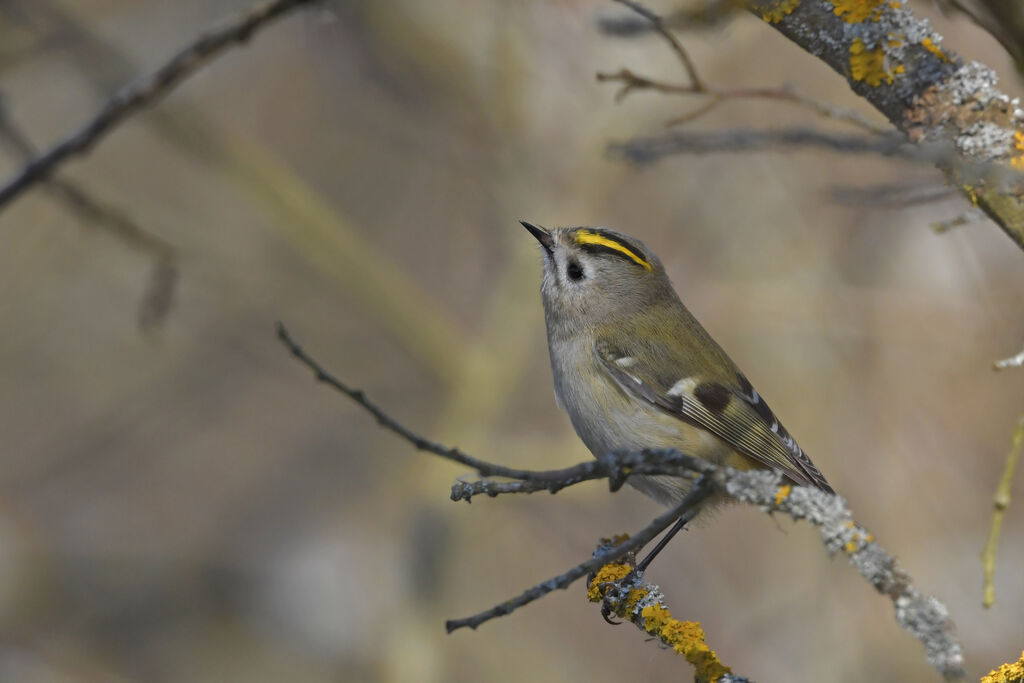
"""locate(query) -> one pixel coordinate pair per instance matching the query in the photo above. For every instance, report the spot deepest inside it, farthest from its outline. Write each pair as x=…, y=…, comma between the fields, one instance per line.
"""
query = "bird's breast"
x=608, y=419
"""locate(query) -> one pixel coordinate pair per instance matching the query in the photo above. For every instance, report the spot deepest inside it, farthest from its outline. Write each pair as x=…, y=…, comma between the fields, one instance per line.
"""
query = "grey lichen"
x=985, y=140
x=924, y=617
x=972, y=82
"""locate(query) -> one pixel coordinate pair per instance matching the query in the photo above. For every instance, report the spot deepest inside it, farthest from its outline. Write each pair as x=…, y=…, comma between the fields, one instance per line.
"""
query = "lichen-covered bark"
x=897, y=62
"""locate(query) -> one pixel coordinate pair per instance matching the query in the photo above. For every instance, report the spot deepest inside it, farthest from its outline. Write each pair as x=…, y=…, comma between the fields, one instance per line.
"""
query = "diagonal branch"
x=148, y=90
x=691, y=501
x=696, y=84
x=615, y=469
x=896, y=62
x=650, y=149
x=158, y=294
x=717, y=95
x=924, y=617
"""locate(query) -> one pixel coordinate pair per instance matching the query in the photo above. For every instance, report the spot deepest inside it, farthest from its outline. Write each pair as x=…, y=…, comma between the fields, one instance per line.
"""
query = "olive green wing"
x=736, y=414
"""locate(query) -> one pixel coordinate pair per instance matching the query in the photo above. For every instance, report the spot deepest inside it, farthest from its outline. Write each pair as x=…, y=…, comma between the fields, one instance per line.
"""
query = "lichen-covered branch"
x=1000, y=502
x=147, y=90
x=612, y=554
x=1007, y=673
x=897, y=62
x=622, y=592
x=924, y=617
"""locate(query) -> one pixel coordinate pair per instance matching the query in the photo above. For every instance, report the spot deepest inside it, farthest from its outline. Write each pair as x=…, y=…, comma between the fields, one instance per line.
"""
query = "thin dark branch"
x=616, y=469
x=1002, y=19
x=677, y=47
x=147, y=91
x=387, y=422
x=158, y=294
x=631, y=82
x=701, y=16
x=80, y=201
x=890, y=195
x=645, y=150
x=701, y=490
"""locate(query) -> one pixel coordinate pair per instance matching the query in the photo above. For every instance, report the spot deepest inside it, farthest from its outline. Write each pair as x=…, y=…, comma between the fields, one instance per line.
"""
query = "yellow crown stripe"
x=591, y=237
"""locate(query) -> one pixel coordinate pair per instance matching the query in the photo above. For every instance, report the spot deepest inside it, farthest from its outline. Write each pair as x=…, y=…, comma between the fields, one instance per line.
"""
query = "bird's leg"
x=680, y=523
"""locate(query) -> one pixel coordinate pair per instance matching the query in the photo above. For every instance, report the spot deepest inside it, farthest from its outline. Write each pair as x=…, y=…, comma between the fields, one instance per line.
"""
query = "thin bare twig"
x=971, y=215
x=80, y=201
x=148, y=90
x=670, y=38
x=702, y=15
x=1000, y=502
x=645, y=150
x=631, y=82
x=1002, y=19
x=615, y=469
x=158, y=293
x=700, y=491
x=890, y=195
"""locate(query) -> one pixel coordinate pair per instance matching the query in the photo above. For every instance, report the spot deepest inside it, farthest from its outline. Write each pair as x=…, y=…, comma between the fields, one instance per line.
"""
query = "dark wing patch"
x=740, y=418
x=713, y=395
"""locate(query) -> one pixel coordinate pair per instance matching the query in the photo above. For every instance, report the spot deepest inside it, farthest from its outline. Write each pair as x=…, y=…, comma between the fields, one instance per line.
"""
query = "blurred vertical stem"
x=1001, y=502
x=497, y=355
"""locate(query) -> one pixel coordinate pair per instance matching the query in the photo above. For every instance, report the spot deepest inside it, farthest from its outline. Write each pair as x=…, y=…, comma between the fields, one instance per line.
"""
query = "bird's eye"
x=574, y=271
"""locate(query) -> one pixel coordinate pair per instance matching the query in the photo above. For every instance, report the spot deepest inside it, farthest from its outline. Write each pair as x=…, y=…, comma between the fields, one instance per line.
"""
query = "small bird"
x=634, y=369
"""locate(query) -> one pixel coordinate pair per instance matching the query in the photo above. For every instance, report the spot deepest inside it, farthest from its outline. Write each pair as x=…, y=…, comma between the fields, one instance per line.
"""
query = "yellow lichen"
x=1007, y=673
x=609, y=573
x=635, y=596
x=777, y=11
x=851, y=547
x=869, y=65
x=934, y=49
x=855, y=11
x=782, y=494
x=1018, y=161
x=687, y=639
x=971, y=194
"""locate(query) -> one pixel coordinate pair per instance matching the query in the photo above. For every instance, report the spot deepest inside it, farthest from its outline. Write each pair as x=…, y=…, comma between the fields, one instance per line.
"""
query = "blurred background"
x=179, y=501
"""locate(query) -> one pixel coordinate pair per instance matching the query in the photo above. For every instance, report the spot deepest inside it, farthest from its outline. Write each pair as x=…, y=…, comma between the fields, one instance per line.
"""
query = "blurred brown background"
x=185, y=504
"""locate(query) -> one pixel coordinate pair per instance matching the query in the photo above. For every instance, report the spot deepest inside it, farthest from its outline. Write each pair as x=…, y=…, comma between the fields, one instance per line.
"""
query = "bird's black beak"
x=542, y=235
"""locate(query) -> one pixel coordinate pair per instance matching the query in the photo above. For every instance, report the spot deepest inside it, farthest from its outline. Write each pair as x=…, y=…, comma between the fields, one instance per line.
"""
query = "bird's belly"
x=610, y=421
